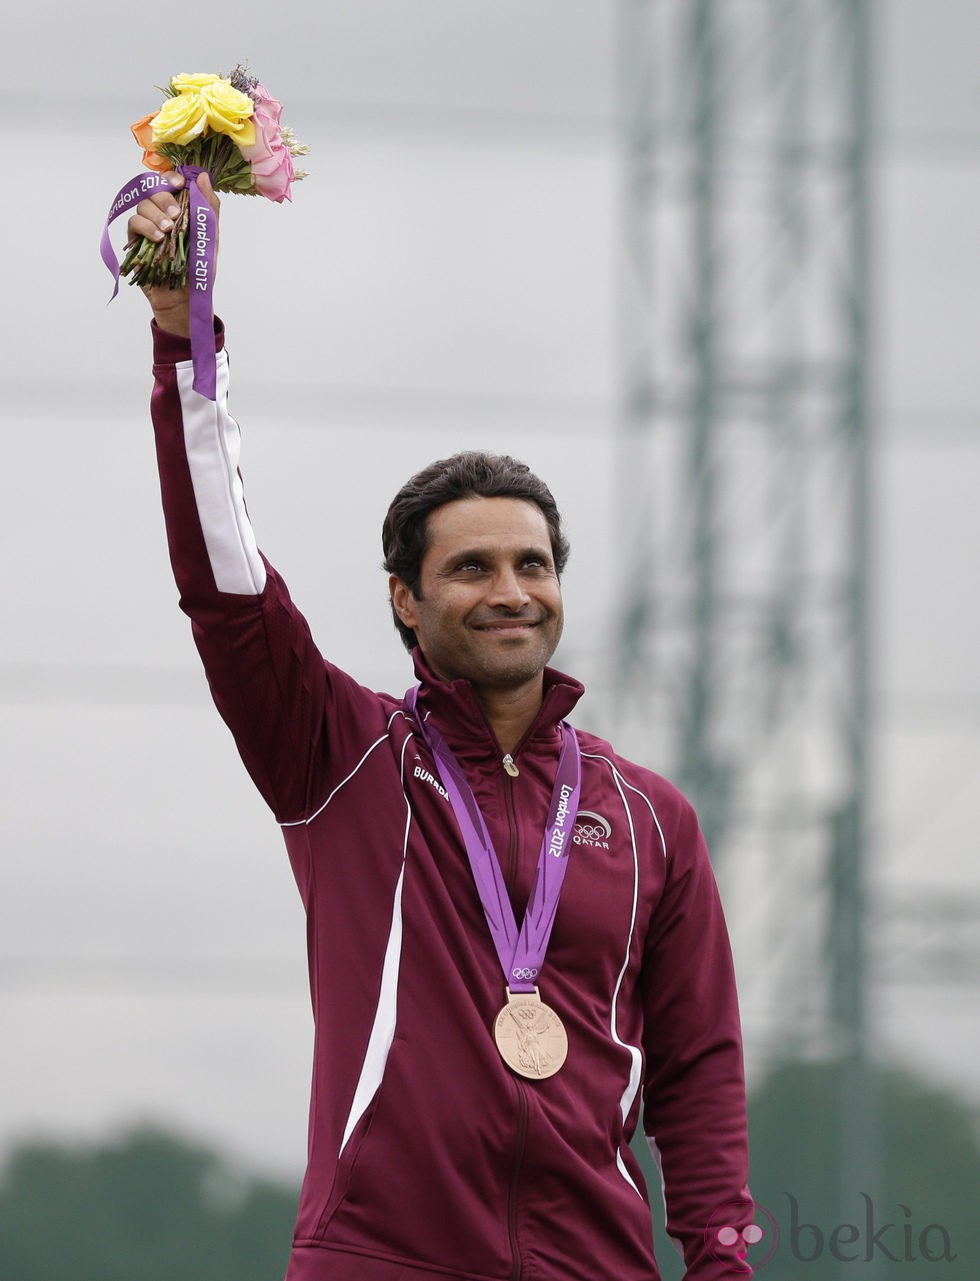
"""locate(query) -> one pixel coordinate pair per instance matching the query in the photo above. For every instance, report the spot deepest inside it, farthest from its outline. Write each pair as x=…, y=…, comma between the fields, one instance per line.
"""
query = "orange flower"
x=143, y=133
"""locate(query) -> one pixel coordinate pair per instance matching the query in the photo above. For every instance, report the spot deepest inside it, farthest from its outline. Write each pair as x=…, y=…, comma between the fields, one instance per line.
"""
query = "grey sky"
x=457, y=287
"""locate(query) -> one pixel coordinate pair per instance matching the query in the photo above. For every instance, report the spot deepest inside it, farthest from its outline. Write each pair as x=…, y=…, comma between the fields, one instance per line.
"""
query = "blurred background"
x=710, y=267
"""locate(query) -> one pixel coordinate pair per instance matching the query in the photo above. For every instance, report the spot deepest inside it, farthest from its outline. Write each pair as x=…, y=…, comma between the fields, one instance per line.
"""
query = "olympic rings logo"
x=591, y=831
x=524, y=972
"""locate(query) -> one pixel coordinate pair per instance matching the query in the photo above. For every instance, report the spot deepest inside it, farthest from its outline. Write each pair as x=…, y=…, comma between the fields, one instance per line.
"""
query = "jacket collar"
x=460, y=718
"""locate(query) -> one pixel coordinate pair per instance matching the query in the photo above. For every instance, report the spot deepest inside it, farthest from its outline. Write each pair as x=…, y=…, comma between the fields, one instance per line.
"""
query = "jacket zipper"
x=512, y=772
x=513, y=847
x=515, y=1181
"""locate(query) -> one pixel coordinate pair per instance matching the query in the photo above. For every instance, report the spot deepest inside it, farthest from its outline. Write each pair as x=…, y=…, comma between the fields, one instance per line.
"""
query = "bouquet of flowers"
x=231, y=127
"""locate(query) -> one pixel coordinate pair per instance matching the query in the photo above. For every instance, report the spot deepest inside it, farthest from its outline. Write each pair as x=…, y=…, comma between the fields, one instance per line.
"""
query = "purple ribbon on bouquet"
x=201, y=231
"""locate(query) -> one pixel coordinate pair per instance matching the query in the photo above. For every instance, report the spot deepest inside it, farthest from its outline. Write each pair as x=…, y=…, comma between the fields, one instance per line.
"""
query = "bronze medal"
x=530, y=1036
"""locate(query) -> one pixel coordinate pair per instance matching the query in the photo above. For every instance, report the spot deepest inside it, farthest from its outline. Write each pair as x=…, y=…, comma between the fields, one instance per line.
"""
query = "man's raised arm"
x=267, y=677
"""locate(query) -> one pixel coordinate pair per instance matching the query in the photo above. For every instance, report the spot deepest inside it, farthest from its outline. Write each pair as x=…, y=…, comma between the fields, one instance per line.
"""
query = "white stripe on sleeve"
x=212, y=441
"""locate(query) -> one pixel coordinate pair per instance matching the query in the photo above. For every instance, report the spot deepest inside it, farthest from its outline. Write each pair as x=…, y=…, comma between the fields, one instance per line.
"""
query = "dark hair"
x=471, y=474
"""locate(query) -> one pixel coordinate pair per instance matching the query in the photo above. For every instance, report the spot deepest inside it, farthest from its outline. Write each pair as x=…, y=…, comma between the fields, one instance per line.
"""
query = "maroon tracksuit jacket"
x=428, y=1158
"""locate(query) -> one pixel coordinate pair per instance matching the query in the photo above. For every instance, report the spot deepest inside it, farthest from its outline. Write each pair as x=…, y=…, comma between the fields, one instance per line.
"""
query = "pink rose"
x=269, y=158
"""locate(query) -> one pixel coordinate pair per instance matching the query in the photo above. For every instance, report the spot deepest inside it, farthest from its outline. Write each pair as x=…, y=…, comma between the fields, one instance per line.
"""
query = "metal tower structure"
x=742, y=650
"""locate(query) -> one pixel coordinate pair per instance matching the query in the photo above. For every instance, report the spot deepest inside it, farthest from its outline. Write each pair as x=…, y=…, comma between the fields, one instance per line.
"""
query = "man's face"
x=490, y=604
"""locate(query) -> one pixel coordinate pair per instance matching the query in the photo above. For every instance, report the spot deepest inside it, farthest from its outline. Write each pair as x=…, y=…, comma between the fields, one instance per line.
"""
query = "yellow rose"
x=192, y=84
x=228, y=111
x=179, y=120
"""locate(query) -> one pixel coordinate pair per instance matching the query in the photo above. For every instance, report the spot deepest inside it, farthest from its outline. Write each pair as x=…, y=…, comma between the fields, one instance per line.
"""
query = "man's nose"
x=508, y=590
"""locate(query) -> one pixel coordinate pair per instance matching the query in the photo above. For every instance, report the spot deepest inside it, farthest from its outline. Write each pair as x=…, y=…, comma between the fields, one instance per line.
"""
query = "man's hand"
x=153, y=218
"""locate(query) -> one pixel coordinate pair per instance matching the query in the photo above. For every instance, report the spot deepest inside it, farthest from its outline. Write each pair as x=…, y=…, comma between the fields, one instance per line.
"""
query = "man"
x=514, y=934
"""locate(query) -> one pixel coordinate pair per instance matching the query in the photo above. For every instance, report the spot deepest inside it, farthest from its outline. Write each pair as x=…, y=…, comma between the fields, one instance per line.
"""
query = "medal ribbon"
x=521, y=952
x=201, y=231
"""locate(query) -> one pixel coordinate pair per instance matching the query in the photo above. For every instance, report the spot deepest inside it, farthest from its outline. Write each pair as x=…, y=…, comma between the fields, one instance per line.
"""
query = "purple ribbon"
x=201, y=231
x=521, y=952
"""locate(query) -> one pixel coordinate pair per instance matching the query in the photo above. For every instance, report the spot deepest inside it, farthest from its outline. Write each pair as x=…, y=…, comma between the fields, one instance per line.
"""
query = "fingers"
x=154, y=216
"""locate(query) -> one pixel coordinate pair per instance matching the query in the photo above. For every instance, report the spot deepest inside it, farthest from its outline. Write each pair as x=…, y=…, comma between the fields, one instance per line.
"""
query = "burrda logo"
x=592, y=829
x=421, y=772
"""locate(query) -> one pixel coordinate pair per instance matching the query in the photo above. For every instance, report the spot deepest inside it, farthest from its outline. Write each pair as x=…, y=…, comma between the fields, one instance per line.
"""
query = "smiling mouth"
x=505, y=626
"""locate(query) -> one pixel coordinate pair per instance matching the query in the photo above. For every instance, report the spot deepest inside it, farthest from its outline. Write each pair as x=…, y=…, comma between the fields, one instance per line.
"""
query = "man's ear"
x=403, y=602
